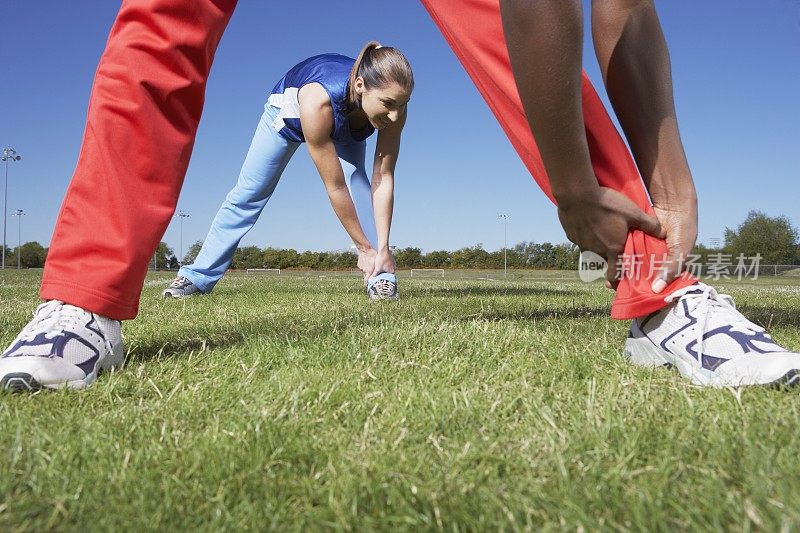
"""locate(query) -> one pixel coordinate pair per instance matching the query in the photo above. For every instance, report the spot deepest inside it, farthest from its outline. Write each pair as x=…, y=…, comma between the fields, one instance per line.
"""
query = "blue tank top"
x=332, y=71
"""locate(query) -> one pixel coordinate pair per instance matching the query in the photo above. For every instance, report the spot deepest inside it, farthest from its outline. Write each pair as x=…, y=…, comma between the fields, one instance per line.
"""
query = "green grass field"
x=290, y=402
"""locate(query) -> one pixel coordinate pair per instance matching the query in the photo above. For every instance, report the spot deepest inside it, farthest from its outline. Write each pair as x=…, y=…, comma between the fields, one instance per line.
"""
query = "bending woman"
x=333, y=103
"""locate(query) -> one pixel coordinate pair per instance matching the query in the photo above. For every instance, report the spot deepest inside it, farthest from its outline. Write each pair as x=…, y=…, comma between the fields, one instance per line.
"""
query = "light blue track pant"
x=267, y=158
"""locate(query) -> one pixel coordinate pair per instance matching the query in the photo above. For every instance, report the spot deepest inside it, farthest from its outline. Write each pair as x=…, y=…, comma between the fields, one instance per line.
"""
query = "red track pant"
x=143, y=115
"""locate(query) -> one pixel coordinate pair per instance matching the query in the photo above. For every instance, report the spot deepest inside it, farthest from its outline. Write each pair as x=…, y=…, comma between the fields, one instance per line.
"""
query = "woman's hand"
x=366, y=262
x=384, y=262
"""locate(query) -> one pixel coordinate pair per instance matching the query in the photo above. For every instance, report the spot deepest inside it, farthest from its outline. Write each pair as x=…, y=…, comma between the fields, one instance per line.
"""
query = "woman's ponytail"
x=379, y=66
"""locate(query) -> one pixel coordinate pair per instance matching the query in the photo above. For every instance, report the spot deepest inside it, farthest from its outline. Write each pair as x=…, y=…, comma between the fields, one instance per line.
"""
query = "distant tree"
x=516, y=257
x=173, y=263
x=566, y=256
x=33, y=255
x=526, y=253
x=408, y=257
x=337, y=260
x=248, y=257
x=437, y=259
x=326, y=261
x=495, y=259
x=541, y=255
x=775, y=238
x=343, y=260
x=290, y=258
x=163, y=255
x=280, y=258
x=310, y=260
x=471, y=257
x=701, y=253
x=191, y=255
x=271, y=258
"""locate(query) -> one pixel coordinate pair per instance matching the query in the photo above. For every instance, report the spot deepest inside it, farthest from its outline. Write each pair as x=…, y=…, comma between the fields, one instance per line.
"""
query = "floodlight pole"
x=181, y=214
x=19, y=213
x=9, y=154
x=505, y=244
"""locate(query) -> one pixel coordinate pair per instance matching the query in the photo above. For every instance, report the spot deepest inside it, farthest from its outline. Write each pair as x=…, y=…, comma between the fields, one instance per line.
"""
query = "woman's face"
x=382, y=105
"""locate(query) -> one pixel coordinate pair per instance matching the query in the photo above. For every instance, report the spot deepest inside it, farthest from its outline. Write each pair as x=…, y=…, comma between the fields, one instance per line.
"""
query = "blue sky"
x=737, y=81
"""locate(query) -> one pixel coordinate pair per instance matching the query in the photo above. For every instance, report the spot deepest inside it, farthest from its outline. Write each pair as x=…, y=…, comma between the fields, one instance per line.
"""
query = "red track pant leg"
x=143, y=114
x=474, y=30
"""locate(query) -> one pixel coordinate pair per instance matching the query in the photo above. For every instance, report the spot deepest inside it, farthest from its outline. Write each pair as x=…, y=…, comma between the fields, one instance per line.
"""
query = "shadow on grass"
x=770, y=317
x=192, y=339
x=289, y=331
x=549, y=313
x=460, y=292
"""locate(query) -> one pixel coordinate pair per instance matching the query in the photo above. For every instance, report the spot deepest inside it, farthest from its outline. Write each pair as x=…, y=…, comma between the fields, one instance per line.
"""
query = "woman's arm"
x=316, y=119
x=386, y=152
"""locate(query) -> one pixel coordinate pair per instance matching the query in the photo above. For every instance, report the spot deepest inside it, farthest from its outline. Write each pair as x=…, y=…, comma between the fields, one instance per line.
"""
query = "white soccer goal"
x=427, y=271
x=779, y=270
x=263, y=270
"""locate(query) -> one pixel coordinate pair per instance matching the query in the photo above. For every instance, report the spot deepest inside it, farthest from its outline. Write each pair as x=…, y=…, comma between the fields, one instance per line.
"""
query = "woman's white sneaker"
x=708, y=340
x=180, y=288
x=62, y=346
x=383, y=287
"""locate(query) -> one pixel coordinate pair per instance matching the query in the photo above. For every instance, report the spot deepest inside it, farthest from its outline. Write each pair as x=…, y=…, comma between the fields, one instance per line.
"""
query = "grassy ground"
x=292, y=403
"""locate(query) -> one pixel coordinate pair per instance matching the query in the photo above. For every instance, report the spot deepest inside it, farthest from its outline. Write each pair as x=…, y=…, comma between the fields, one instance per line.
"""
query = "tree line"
x=775, y=239
x=523, y=255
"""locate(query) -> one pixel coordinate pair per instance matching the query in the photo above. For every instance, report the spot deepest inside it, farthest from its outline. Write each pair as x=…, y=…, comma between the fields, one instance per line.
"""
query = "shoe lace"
x=178, y=282
x=51, y=318
x=384, y=287
x=705, y=300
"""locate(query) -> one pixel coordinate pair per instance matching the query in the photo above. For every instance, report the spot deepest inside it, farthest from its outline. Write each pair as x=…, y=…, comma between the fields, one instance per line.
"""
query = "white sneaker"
x=383, y=287
x=62, y=346
x=710, y=342
x=180, y=288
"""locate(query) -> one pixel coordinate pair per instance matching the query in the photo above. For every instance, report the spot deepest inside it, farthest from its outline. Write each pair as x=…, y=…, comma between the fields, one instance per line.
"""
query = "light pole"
x=505, y=244
x=19, y=213
x=181, y=214
x=9, y=155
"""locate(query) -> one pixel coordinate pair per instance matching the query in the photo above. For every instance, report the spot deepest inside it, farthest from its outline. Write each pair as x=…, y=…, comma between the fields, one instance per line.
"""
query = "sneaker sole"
x=19, y=382
x=790, y=380
x=166, y=295
x=640, y=351
x=25, y=382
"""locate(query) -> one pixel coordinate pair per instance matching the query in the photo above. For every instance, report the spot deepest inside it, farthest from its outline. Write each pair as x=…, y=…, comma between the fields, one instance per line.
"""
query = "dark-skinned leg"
x=635, y=63
x=555, y=31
